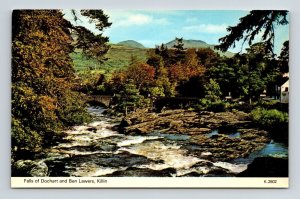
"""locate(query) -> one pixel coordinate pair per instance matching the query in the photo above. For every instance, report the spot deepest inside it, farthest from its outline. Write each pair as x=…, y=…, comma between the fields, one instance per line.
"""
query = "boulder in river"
x=266, y=167
x=143, y=172
x=29, y=168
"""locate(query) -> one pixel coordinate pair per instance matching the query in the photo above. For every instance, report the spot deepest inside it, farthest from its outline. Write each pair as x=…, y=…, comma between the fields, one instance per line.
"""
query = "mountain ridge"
x=188, y=43
x=131, y=43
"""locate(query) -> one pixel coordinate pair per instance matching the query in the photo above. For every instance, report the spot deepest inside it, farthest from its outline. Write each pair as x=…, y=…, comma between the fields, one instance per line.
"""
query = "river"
x=97, y=149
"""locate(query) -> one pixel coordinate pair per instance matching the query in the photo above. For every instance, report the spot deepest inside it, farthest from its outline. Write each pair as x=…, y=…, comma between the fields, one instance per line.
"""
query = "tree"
x=251, y=25
x=284, y=57
x=128, y=97
x=179, y=53
x=43, y=79
x=154, y=59
x=93, y=45
x=226, y=76
x=212, y=91
x=164, y=53
x=163, y=82
x=141, y=74
x=207, y=57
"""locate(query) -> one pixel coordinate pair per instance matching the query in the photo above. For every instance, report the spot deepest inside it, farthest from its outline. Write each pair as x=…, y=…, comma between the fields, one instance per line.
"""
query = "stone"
x=266, y=167
x=143, y=172
x=29, y=168
x=197, y=125
x=205, y=154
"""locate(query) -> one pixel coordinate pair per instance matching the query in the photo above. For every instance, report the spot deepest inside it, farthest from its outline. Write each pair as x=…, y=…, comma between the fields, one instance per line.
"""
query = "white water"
x=161, y=152
x=172, y=155
x=131, y=140
x=234, y=168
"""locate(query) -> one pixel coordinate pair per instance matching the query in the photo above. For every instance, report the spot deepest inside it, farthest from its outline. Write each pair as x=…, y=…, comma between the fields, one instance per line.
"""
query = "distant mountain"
x=190, y=44
x=131, y=43
x=199, y=44
x=120, y=55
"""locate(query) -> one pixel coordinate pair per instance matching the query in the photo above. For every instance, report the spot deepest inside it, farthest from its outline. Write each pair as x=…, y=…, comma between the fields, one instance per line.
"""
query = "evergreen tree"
x=284, y=57
x=179, y=54
x=251, y=25
x=128, y=98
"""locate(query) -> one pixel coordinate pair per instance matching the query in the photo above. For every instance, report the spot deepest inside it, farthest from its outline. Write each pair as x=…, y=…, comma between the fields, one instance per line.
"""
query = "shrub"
x=272, y=120
x=217, y=106
x=24, y=137
x=269, y=118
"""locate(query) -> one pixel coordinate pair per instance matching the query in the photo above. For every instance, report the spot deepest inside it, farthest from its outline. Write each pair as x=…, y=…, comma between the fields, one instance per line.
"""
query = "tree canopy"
x=251, y=25
x=43, y=76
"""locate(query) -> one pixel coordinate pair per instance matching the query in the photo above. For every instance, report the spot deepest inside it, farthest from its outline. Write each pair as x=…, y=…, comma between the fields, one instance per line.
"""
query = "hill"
x=190, y=44
x=131, y=44
x=199, y=44
x=119, y=57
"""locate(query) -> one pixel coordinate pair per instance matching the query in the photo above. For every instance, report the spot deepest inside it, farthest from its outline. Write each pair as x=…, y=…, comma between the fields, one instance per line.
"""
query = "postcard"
x=150, y=98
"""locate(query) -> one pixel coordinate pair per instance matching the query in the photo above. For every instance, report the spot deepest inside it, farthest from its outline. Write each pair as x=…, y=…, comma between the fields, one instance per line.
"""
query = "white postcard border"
x=148, y=182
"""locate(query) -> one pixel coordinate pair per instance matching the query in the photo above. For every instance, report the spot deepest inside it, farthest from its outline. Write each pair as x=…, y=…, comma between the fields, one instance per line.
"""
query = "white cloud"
x=137, y=20
x=206, y=28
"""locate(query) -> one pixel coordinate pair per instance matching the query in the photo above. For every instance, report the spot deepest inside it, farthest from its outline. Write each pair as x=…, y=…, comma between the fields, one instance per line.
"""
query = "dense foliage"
x=43, y=78
x=199, y=73
x=273, y=120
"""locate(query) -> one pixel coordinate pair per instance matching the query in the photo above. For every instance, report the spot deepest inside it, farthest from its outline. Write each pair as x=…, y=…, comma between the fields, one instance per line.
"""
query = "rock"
x=216, y=120
x=203, y=164
x=266, y=167
x=105, y=146
x=90, y=128
x=205, y=154
x=176, y=123
x=29, y=168
x=195, y=131
x=143, y=172
x=218, y=172
x=125, y=122
x=193, y=174
x=197, y=124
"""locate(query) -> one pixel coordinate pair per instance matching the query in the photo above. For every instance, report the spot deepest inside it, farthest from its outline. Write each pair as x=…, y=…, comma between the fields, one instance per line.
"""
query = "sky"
x=153, y=27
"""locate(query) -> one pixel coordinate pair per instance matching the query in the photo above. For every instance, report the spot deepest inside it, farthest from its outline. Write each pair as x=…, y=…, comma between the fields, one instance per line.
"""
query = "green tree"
x=251, y=25
x=212, y=91
x=226, y=74
x=284, y=57
x=179, y=53
x=128, y=97
x=164, y=53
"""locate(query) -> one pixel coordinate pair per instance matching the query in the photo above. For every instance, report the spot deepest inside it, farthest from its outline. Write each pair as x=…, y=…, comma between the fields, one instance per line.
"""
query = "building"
x=284, y=92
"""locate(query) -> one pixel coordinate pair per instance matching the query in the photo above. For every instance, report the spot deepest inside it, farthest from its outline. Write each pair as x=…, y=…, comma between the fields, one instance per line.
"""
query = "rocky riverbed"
x=172, y=143
x=217, y=136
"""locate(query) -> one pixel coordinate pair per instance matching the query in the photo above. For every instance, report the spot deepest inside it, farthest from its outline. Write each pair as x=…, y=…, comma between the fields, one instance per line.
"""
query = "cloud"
x=206, y=28
x=138, y=20
x=135, y=19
